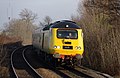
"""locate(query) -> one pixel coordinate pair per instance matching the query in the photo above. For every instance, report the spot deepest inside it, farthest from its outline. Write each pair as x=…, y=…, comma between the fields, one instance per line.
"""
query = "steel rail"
x=36, y=74
x=97, y=72
x=14, y=74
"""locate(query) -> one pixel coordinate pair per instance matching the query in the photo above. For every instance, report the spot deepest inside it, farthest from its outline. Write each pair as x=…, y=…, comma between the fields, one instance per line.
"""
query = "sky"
x=56, y=9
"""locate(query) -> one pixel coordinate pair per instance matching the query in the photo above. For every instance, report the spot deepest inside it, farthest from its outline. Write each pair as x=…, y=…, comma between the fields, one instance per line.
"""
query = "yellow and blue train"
x=60, y=42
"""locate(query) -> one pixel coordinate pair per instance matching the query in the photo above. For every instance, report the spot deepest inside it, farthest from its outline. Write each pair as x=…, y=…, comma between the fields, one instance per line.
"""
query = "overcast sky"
x=56, y=9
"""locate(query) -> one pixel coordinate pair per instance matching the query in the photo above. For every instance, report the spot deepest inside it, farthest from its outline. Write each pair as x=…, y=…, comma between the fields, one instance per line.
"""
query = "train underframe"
x=67, y=60
x=57, y=60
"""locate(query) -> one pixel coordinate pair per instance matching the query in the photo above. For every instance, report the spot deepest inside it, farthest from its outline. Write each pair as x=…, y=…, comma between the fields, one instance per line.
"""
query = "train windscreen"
x=67, y=34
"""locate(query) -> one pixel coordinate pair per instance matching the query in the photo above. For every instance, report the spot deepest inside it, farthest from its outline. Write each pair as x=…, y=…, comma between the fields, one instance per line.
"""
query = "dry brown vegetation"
x=101, y=26
x=22, y=28
x=17, y=31
x=6, y=45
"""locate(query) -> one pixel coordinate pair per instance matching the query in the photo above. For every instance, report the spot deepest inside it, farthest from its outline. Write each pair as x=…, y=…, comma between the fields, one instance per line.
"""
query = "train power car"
x=60, y=42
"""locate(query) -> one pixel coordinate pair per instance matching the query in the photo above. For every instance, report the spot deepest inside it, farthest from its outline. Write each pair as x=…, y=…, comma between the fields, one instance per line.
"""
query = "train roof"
x=62, y=24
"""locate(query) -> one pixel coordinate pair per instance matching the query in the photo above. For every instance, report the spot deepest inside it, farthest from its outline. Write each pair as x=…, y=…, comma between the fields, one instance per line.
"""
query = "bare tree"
x=101, y=24
x=46, y=21
x=28, y=15
x=22, y=28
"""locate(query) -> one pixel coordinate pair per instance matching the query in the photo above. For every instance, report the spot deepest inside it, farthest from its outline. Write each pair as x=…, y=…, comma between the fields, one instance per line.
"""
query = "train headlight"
x=77, y=47
x=56, y=47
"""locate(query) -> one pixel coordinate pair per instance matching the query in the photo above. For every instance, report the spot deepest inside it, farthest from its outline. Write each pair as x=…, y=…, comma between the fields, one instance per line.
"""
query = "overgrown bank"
x=100, y=21
x=7, y=45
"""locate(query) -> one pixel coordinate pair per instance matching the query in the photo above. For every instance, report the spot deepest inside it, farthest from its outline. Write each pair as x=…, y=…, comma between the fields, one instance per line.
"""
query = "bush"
x=101, y=36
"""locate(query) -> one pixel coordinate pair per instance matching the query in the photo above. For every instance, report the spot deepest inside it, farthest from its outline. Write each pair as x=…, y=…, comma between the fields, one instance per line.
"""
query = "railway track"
x=86, y=73
x=69, y=72
x=24, y=67
x=13, y=72
x=20, y=67
x=74, y=73
x=77, y=72
x=93, y=73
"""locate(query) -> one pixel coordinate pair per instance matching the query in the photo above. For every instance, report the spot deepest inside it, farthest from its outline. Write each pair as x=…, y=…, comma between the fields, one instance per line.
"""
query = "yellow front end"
x=70, y=47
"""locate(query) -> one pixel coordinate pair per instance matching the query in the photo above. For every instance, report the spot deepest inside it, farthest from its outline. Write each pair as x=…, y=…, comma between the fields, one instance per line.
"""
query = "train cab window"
x=67, y=34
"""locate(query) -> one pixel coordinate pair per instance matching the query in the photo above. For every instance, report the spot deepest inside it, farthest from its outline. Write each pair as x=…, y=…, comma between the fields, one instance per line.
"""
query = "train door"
x=42, y=40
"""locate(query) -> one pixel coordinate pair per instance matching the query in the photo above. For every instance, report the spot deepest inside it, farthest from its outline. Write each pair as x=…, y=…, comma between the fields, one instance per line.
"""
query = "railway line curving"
x=36, y=74
x=21, y=62
x=13, y=74
x=26, y=70
x=69, y=72
x=76, y=72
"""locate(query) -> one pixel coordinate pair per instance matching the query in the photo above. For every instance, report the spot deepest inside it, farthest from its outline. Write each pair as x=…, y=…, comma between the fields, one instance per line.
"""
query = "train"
x=60, y=42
